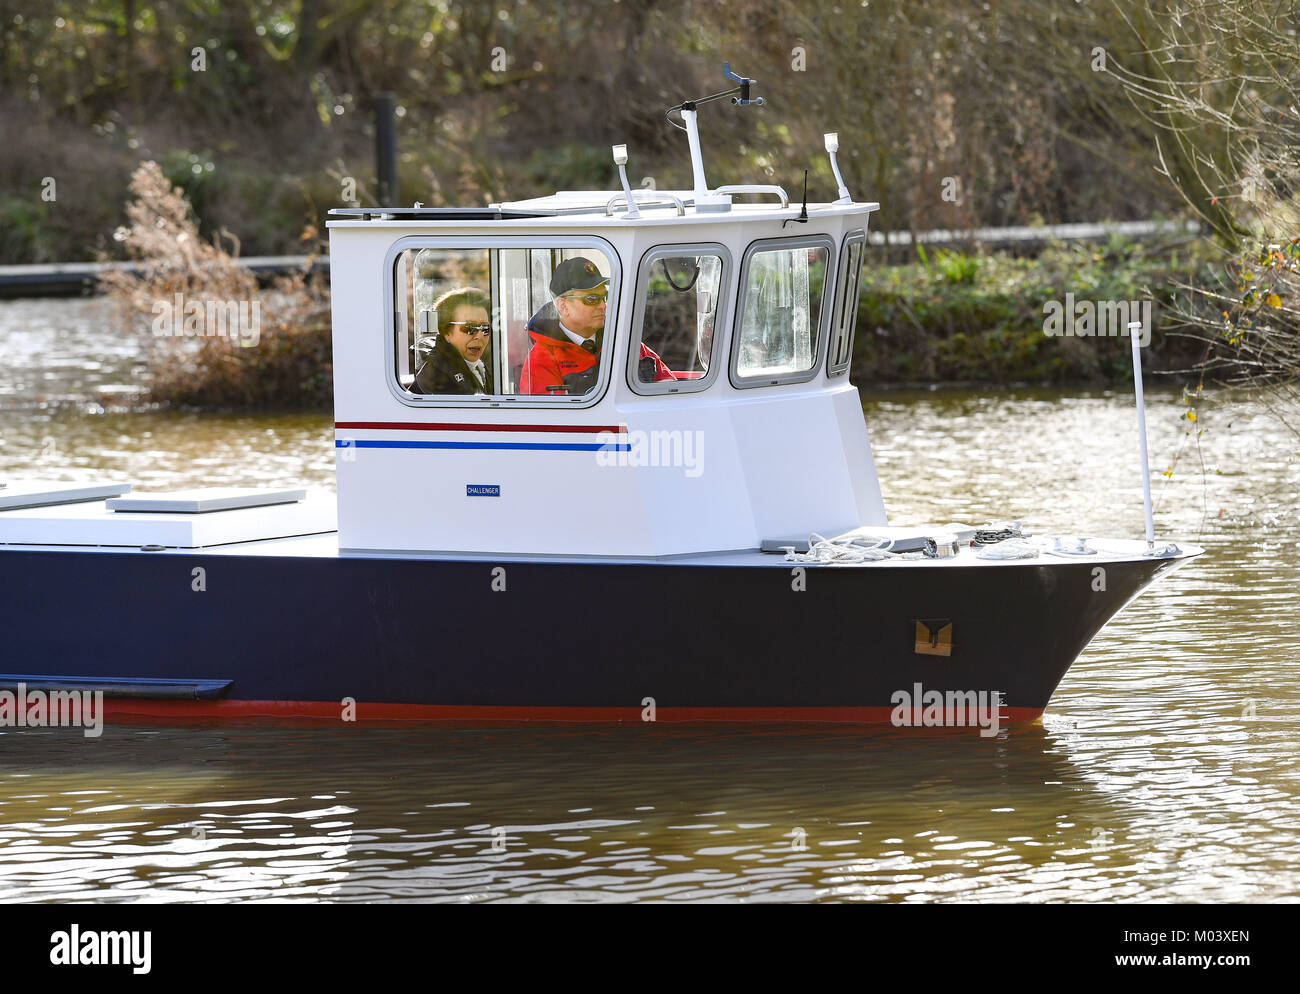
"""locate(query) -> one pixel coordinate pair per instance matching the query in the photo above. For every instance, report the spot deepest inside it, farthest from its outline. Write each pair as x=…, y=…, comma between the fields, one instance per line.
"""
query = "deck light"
x=832, y=139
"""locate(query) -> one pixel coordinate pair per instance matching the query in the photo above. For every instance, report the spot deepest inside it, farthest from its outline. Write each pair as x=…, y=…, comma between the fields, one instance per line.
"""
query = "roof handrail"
x=756, y=188
x=649, y=197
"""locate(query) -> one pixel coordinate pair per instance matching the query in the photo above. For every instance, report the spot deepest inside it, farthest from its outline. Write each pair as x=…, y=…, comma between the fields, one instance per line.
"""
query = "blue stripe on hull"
x=370, y=443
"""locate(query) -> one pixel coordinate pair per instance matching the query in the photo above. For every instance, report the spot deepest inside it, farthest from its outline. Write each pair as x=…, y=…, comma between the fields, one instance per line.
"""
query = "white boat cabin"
x=716, y=414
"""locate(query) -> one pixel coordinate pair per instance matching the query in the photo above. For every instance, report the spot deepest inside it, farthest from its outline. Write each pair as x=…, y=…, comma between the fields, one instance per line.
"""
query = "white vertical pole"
x=697, y=157
x=620, y=160
x=832, y=139
x=632, y=209
x=1134, y=329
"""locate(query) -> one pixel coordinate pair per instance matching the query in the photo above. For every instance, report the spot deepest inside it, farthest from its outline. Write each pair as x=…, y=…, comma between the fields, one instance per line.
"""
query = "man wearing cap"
x=565, y=355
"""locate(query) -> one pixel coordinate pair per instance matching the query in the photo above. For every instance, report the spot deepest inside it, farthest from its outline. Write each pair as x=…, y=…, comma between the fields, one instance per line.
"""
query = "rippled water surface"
x=1165, y=768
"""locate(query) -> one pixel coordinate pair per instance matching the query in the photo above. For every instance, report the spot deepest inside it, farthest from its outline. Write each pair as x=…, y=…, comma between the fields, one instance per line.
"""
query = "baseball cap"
x=576, y=274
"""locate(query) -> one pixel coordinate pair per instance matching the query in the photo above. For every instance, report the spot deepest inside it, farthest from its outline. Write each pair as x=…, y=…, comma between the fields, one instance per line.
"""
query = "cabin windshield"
x=499, y=321
x=781, y=312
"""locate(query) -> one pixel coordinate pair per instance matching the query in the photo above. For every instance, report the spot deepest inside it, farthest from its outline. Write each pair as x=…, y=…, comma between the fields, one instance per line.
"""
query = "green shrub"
x=963, y=317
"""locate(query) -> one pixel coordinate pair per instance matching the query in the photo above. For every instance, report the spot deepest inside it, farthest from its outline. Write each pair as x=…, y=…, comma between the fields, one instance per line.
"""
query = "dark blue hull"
x=433, y=638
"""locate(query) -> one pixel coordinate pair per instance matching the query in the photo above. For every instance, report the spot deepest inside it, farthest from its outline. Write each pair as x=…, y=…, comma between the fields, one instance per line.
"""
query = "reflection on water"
x=53, y=351
x=154, y=451
x=68, y=383
x=1164, y=770
x=619, y=813
x=1130, y=809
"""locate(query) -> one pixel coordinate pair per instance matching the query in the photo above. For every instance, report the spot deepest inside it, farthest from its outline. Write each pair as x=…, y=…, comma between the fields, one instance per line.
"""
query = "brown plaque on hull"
x=934, y=636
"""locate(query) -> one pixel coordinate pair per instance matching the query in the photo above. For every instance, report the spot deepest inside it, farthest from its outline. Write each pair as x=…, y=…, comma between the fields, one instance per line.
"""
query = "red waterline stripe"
x=426, y=426
x=381, y=712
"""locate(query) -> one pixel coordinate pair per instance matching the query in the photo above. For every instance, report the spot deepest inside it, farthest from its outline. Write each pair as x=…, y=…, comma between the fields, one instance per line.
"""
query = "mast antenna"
x=803, y=211
x=741, y=97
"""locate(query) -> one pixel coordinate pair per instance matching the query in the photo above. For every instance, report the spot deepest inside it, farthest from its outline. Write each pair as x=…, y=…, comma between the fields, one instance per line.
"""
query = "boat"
x=599, y=458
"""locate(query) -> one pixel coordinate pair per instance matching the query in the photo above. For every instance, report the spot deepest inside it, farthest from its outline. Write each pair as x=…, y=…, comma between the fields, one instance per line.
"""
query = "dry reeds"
x=218, y=340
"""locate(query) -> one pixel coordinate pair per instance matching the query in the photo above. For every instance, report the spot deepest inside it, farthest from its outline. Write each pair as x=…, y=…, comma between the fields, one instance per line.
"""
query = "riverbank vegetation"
x=953, y=114
x=954, y=317
x=1224, y=105
x=274, y=353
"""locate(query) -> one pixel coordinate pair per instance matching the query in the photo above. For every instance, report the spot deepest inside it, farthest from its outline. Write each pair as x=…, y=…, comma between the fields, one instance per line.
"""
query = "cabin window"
x=779, y=328
x=512, y=321
x=840, y=352
x=680, y=300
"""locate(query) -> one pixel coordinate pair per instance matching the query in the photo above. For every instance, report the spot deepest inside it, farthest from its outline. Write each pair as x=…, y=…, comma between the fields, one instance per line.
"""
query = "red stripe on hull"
x=426, y=426
x=366, y=713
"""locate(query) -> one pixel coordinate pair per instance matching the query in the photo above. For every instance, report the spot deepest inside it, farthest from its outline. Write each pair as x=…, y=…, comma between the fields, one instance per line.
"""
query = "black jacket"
x=445, y=370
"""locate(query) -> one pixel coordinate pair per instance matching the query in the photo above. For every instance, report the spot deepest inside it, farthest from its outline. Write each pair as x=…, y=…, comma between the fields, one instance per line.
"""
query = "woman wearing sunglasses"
x=458, y=362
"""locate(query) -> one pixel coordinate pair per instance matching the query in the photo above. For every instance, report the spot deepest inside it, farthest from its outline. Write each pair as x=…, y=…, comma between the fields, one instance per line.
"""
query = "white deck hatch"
x=204, y=500
x=43, y=493
x=93, y=523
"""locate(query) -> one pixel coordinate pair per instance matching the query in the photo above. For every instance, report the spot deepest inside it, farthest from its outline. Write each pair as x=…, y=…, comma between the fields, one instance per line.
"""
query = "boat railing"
x=756, y=188
x=646, y=200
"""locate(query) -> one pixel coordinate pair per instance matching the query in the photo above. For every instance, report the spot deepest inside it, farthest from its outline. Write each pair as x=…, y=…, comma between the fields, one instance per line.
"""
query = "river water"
x=1165, y=768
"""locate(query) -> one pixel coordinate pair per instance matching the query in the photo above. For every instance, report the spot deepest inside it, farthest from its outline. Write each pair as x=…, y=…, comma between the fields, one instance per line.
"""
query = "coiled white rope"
x=993, y=543
x=841, y=551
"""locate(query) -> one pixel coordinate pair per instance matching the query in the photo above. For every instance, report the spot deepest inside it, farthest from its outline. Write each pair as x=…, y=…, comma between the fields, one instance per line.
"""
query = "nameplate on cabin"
x=482, y=490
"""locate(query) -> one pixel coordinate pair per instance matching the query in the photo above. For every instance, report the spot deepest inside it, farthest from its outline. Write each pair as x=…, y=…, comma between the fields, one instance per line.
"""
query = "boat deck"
x=325, y=546
x=296, y=524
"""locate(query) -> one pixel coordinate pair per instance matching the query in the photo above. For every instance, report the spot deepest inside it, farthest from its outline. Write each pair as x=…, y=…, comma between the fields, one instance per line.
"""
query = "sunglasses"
x=473, y=330
x=590, y=299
